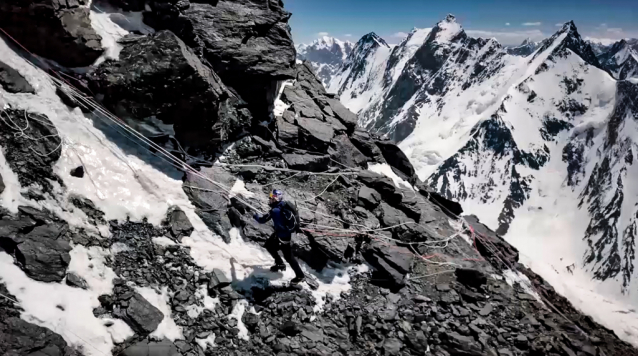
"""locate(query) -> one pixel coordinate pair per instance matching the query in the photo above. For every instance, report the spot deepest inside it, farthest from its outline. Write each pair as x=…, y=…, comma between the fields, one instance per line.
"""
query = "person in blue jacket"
x=286, y=221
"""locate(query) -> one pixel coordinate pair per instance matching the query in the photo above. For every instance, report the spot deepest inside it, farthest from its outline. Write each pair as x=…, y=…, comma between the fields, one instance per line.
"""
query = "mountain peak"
x=450, y=18
x=569, y=38
x=527, y=41
x=372, y=38
x=446, y=30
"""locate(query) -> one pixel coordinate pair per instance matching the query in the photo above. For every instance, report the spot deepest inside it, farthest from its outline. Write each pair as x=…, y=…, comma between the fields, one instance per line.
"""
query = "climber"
x=286, y=220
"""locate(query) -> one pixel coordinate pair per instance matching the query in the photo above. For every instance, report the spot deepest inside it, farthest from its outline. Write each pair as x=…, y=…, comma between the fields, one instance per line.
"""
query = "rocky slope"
x=326, y=55
x=112, y=245
x=621, y=60
x=536, y=146
x=524, y=49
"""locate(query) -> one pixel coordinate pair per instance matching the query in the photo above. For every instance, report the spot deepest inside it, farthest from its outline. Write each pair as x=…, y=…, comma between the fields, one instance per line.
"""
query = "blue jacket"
x=285, y=218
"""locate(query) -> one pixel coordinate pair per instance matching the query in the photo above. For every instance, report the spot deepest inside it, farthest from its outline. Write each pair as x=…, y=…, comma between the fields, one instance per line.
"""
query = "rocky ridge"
x=429, y=289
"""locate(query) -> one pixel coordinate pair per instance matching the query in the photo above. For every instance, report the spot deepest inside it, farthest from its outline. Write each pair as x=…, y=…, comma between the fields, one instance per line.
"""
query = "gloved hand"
x=256, y=217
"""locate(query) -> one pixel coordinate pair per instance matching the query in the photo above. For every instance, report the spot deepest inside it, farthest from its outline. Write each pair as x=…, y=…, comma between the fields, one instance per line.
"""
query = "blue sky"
x=509, y=21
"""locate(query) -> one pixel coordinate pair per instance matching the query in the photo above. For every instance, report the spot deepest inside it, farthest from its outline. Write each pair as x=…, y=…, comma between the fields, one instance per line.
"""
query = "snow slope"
x=125, y=182
x=540, y=148
x=326, y=55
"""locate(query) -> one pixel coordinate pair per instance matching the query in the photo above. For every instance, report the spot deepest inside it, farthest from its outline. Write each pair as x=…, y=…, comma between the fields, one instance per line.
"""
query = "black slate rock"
x=77, y=172
x=141, y=315
x=74, y=280
x=470, y=277
x=12, y=81
x=178, y=223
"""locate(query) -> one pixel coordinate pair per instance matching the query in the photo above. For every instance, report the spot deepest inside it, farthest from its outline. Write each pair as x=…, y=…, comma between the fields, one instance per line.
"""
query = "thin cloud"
x=608, y=35
x=559, y=25
x=531, y=23
x=507, y=24
x=509, y=37
x=348, y=35
x=321, y=34
x=400, y=34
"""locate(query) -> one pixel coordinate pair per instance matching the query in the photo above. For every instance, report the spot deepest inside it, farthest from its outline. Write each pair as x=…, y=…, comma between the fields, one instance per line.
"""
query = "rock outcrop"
x=56, y=29
x=249, y=44
x=12, y=81
x=158, y=75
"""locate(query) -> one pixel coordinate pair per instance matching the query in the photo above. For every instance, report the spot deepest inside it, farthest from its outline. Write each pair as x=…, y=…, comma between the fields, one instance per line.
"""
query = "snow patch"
x=112, y=24
x=10, y=197
x=66, y=310
x=386, y=170
x=163, y=241
x=237, y=313
x=208, y=341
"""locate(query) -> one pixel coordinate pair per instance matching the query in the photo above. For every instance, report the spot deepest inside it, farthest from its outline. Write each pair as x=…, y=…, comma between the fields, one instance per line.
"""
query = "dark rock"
x=487, y=309
x=159, y=76
x=152, y=348
x=2, y=186
x=54, y=29
x=178, y=223
x=505, y=352
x=87, y=206
x=417, y=341
x=74, y=280
x=392, y=263
x=460, y=343
x=392, y=346
x=347, y=117
x=141, y=315
x=291, y=328
x=257, y=232
x=381, y=184
x=78, y=172
x=346, y=153
x=218, y=280
x=451, y=208
x=307, y=162
x=12, y=81
x=43, y=253
x=31, y=155
x=312, y=333
x=249, y=45
x=287, y=133
x=65, y=93
x=18, y=337
x=365, y=143
x=493, y=247
x=314, y=135
x=397, y=160
x=470, y=277
x=368, y=198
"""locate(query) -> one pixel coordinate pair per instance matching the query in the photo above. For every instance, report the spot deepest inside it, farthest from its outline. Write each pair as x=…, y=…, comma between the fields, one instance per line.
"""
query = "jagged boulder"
x=397, y=160
x=382, y=184
x=18, y=337
x=152, y=348
x=139, y=314
x=344, y=152
x=38, y=241
x=249, y=44
x=307, y=162
x=73, y=280
x=57, y=29
x=365, y=143
x=178, y=223
x=12, y=81
x=491, y=246
x=158, y=75
x=314, y=135
x=31, y=155
x=368, y=198
x=393, y=263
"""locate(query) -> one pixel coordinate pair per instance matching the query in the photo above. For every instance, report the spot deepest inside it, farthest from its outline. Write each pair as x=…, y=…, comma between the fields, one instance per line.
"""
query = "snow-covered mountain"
x=326, y=55
x=621, y=60
x=524, y=49
x=541, y=147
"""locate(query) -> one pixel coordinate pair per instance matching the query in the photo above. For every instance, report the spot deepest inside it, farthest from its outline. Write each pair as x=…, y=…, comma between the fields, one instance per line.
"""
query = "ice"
x=280, y=107
x=167, y=328
x=66, y=310
x=515, y=277
x=10, y=197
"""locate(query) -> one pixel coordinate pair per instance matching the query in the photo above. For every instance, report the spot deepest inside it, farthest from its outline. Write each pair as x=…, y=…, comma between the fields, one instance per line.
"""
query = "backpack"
x=290, y=220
